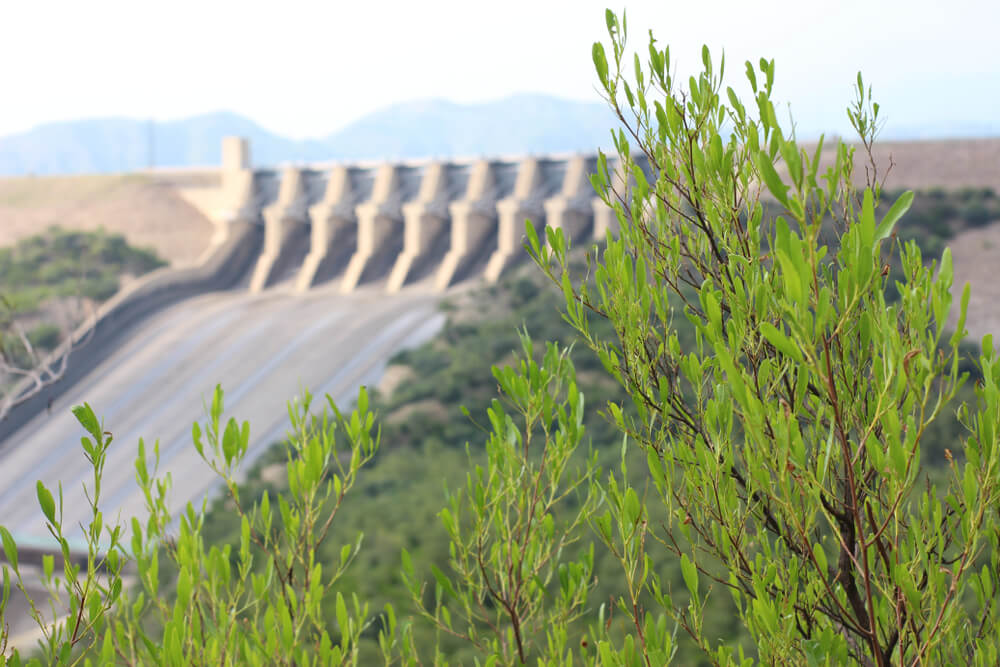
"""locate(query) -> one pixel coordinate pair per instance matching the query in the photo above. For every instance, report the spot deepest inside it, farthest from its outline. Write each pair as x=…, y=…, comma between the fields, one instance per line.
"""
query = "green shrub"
x=61, y=263
x=976, y=213
x=45, y=336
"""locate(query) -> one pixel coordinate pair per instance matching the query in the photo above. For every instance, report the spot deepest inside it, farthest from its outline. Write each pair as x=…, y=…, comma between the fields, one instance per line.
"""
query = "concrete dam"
x=314, y=278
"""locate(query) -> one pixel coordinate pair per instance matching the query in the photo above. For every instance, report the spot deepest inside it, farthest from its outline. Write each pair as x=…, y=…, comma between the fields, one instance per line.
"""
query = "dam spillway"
x=315, y=277
x=263, y=348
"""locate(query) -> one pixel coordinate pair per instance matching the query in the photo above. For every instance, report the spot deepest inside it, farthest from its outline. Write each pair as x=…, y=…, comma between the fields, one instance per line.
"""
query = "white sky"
x=307, y=68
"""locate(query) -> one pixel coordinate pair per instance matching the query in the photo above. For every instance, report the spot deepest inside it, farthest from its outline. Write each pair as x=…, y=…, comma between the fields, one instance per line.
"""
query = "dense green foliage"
x=62, y=263
x=434, y=428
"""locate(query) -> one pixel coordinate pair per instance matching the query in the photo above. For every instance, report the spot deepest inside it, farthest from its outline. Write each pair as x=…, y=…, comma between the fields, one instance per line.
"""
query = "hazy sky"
x=307, y=68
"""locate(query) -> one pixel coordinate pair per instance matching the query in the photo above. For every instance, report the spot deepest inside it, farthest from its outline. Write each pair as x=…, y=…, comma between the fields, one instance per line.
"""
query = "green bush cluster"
x=61, y=263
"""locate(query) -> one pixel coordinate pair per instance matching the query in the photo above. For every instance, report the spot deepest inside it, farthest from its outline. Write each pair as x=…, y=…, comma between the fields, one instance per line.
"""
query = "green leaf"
x=217, y=403
x=444, y=582
x=780, y=341
x=45, y=502
x=655, y=466
x=196, y=438
x=868, y=218
x=600, y=63
x=774, y=183
x=85, y=415
x=820, y=557
x=633, y=509
x=793, y=281
x=230, y=441
x=962, y=313
x=9, y=546
x=896, y=211
x=407, y=563
x=184, y=586
x=751, y=76
x=690, y=573
x=343, y=621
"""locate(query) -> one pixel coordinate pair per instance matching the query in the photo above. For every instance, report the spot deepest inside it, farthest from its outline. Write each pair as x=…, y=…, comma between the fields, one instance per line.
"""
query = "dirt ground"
x=948, y=164
x=976, y=257
x=146, y=210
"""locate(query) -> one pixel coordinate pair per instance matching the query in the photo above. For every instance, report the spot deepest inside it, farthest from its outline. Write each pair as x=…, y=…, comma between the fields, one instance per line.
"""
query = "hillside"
x=149, y=214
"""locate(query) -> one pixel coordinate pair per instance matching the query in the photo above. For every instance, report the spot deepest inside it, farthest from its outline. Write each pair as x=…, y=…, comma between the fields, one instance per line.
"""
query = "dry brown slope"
x=976, y=256
x=936, y=163
x=147, y=211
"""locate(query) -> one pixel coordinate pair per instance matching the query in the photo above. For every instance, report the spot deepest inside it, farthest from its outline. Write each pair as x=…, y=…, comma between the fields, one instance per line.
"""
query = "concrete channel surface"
x=264, y=349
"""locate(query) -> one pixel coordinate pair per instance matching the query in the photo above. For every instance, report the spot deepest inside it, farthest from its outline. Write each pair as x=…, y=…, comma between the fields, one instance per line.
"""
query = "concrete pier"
x=230, y=204
x=525, y=203
x=473, y=225
x=425, y=221
x=286, y=229
x=380, y=220
x=334, y=229
x=572, y=210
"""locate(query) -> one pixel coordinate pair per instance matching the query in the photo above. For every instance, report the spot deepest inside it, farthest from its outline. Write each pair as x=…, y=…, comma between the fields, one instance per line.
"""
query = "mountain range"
x=427, y=128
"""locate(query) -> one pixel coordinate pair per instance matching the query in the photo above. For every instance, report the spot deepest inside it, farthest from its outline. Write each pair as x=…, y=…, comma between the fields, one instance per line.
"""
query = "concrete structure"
x=380, y=223
x=425, y=224
x=394, y=224
x=473, y=221
x=524, y=203
x=334, y=229
x=286, y=230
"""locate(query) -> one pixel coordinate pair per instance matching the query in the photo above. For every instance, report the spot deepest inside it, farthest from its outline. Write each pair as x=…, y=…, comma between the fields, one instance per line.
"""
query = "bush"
x=976, y=213
x=61, y=263
x=45, y=336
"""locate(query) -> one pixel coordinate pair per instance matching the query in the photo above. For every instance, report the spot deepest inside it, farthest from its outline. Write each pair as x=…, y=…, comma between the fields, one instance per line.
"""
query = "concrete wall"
x=395, y=224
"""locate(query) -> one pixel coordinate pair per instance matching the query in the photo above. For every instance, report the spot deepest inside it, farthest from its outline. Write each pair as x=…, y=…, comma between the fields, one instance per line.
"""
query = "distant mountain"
x=518, y=124
x=125, y=144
